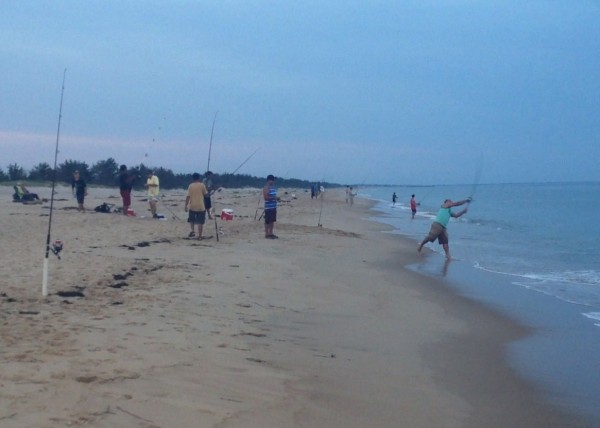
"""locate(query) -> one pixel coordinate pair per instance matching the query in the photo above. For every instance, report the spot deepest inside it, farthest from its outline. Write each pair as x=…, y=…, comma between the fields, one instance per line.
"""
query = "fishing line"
x=477, y=177
x=321, y=196
x=258, y=206
x=152, y=148
x=425, y=195
x=168, y=209
x=57, y=245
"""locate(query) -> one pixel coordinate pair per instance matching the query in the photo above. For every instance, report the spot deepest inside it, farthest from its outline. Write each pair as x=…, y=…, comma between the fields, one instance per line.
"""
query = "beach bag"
x=104, y=208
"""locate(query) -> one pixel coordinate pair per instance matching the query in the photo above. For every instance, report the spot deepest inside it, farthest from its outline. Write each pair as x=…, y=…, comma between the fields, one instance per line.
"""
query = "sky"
x=353, y=92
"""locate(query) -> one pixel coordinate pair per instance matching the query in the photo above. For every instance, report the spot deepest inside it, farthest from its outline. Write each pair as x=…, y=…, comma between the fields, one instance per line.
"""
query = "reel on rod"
x=57, y=247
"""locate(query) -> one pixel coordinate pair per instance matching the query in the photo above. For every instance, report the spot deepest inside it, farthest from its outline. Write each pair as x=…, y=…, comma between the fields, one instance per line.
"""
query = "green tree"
x=3, y=175
x=15, y=172
x=104, y=172
x=41, y=172
x=66, y=169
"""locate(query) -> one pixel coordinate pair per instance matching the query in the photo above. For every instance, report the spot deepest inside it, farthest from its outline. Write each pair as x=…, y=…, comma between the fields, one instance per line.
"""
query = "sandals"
x=191, y=235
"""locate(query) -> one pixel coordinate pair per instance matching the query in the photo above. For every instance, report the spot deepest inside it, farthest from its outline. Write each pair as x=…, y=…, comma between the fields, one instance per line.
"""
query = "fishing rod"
x=260, y=197
x=321, y=196
x=242, y=164
x=168, y=209
x=212, y=131
x=211, y=138
x=321, y=212
x=57, y=245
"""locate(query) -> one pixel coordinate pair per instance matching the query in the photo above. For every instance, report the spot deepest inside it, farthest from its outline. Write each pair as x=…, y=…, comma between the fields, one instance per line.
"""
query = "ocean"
x=530, y=251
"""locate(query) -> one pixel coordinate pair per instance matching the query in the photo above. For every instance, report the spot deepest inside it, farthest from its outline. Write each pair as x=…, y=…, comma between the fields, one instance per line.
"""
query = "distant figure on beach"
x=22, y=194
x=79, y=189
x=394, y=198
x=195, y=202
x=153, y=186
x=208, y=183
x=347, y=194
x=413, y=206
x=125, y=186
x=438, y=228
x=270, y=197
x=351, y=195
x=313, y=191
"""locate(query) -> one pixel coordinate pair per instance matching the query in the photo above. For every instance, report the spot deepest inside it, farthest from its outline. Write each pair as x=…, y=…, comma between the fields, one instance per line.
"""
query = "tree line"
x=106, y=173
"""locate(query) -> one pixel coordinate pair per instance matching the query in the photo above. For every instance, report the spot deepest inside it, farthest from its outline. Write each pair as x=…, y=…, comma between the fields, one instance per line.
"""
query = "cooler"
x=227, y=214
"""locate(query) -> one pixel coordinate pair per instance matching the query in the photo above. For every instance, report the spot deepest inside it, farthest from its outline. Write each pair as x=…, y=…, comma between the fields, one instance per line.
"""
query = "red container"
x=227, y=215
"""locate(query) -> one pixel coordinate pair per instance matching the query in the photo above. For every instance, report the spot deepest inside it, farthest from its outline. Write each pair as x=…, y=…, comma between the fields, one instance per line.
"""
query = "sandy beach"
x=323, y=327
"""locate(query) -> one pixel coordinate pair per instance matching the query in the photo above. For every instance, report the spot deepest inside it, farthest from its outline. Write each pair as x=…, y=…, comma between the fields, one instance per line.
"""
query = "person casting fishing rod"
x=438, y=228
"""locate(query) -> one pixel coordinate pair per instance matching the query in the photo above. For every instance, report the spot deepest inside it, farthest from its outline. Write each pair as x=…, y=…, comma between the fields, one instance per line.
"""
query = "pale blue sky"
x=397, y=92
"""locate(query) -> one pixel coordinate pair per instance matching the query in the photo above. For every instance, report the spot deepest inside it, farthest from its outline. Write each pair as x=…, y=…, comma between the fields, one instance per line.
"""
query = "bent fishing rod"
x=57, y=245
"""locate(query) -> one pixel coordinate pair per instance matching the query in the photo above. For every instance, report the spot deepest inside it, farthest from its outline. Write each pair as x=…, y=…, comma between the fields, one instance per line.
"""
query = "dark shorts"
x=80, y=197
x=270, y=216
x=126, y=196
x=438, y=232
x=197, y=217
x=414, y=210
x=207, y=202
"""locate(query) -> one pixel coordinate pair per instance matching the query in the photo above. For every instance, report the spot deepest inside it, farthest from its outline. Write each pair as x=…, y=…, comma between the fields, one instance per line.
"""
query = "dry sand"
x=320, y=328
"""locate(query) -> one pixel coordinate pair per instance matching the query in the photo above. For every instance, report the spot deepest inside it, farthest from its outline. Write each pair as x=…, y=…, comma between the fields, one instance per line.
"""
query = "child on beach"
x=79, y=189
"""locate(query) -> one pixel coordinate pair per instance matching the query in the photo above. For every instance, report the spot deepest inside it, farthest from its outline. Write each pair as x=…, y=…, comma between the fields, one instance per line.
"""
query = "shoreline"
x=559, y=356
x=323, y=327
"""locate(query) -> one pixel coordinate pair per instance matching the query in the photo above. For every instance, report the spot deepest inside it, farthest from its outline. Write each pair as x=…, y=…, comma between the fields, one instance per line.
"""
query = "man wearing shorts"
x=125, y=186
x=270, y=197
x=152, y=184
x=413, y=205
x=195, y=201
x=438, y=228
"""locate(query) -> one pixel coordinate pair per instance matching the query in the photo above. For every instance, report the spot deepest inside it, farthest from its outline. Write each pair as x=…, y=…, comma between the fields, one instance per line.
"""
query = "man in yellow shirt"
x=195, y=201
x=152, y=184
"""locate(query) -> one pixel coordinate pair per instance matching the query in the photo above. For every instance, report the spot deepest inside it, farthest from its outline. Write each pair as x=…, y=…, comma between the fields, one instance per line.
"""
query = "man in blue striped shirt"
x=270, y=197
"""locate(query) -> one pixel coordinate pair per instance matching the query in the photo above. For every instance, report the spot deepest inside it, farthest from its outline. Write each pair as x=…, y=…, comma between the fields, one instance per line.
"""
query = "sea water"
x=531, y=251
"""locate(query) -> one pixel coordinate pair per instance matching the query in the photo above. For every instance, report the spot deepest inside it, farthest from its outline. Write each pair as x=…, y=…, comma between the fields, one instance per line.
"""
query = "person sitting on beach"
x=23, y=195
x=438, y=228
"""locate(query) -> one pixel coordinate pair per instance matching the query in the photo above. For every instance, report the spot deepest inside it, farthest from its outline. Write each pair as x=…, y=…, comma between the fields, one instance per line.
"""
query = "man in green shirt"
x=438, y=228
